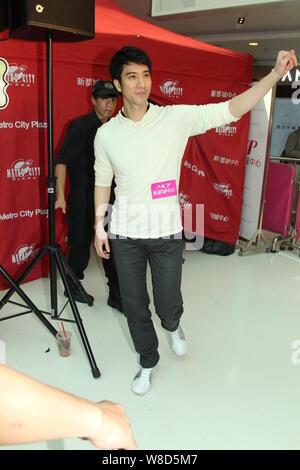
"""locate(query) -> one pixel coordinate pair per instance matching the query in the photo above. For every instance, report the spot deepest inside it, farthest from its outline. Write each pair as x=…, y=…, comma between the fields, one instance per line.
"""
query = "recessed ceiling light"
x=253, y=44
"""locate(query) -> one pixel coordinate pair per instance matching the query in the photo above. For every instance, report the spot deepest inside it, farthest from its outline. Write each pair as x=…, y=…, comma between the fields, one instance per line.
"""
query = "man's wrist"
x=275, y=75
x=99, y=219
x=99, y=227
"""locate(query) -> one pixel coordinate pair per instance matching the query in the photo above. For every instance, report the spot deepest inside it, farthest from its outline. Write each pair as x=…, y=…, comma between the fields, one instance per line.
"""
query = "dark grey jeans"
x=165, y=259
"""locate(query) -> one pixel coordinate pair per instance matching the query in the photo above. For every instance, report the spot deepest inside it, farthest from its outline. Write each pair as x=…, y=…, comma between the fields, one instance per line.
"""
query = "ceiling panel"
x=274, y=26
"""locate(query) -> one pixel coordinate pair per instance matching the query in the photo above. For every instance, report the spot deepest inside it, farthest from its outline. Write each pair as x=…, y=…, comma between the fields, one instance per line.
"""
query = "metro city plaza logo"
x=25, y=253
x=4, y=98
x=171, y=88
x=224, y=189
x=20, y=75
x=228, y=130
x=22, y=169
x=14, y=75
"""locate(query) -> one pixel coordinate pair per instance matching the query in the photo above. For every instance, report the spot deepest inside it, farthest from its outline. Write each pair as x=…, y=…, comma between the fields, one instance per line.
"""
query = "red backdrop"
x=184, y=71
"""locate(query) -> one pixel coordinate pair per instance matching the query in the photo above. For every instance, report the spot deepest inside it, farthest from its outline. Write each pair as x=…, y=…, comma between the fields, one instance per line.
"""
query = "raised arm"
x=241, y=104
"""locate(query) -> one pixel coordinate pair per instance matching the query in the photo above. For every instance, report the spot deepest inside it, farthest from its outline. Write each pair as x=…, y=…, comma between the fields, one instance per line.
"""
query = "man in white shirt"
x=143, y=147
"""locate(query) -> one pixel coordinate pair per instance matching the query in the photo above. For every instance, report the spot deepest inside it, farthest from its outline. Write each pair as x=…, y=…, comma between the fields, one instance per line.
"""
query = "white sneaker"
x=142, y=381
x=178, y=342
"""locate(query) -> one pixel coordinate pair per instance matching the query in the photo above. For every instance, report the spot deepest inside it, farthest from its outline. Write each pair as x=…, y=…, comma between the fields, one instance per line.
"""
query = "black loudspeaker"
x=69, y=20
x=3, y=15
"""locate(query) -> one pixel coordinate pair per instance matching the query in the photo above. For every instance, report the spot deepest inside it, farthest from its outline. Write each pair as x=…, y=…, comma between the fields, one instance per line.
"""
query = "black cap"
x=104, y=88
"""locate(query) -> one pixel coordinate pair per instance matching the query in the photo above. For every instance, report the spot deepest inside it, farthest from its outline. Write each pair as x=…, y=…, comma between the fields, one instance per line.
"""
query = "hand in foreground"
x=114, y=431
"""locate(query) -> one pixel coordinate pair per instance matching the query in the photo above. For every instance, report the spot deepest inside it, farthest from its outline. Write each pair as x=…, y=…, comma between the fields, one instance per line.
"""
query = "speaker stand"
x=56, y=256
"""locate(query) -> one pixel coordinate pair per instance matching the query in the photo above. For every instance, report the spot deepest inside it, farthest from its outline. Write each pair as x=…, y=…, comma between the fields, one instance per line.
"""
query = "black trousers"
x=165, y=259
x=78, y=259
x=79, y=253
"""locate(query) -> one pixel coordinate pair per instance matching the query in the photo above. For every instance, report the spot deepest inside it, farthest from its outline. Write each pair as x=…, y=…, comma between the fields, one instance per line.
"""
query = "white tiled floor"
x=237, y=387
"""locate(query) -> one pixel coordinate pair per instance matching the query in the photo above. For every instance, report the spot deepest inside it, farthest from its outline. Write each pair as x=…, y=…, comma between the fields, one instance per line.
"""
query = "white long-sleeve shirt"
x=145, y=158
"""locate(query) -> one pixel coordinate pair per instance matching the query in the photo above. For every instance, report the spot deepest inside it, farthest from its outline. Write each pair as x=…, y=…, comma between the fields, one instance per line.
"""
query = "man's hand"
x=241, y=104
x=285, y=61
x=101, y=241
x=113, y=430
x=102, y=194
x=60, y=203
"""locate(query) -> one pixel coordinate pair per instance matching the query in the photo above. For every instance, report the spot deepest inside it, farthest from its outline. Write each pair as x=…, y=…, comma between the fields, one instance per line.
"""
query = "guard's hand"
x=60, y=203
x=286, y=60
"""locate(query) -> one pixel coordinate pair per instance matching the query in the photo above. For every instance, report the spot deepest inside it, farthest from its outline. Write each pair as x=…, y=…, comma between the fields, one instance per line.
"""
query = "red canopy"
x=170, y=53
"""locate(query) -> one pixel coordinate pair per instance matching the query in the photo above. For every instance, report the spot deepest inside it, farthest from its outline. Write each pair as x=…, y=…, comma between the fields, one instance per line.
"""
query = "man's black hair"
x=125, y=56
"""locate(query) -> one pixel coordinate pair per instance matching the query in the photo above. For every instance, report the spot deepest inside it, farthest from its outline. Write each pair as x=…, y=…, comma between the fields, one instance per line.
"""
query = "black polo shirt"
x=77, y=151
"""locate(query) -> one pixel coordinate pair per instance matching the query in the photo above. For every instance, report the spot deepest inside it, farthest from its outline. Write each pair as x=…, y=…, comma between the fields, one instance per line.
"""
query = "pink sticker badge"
x=164, y=189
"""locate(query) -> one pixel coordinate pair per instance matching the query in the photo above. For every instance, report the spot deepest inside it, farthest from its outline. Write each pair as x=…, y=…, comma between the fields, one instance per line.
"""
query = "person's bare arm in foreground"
x=31, y=411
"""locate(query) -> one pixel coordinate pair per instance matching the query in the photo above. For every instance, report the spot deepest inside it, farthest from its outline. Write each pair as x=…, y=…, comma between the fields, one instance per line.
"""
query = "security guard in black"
x=76, y=157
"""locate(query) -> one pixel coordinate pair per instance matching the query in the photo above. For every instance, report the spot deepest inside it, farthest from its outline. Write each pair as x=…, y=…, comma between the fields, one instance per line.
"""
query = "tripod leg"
x=84, y=338
x=53, y=285
x=28, y=302
x=75, y=280
x=23, y=276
